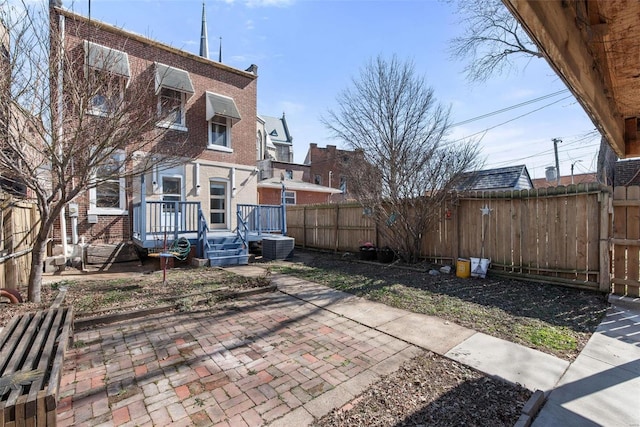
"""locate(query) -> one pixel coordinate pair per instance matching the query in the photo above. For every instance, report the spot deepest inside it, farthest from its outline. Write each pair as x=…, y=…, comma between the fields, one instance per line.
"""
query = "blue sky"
x=307, y=51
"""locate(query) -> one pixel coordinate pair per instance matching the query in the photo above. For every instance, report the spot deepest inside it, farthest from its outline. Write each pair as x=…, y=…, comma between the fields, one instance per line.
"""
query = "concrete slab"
x=327, y=402
x=512, y=362
x=246, y=270
x=368, y=313
x=298, y=417
x=428, y=332
x=595, y=393
x=614, y=352
x=621, y=323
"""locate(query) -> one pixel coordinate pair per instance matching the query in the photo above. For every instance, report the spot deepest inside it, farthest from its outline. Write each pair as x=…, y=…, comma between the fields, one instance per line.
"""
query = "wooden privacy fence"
x=18, y=220
x=626, y=241
x=558, y=235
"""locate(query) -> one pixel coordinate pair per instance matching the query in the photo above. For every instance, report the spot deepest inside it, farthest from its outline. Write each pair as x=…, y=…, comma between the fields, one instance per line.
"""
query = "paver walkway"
x=264, y=358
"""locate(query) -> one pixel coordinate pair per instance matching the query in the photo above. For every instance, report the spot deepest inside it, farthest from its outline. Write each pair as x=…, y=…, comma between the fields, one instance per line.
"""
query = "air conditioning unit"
x=277, y=247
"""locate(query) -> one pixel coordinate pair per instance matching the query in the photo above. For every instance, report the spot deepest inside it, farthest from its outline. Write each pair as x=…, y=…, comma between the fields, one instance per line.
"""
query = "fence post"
x=337, y=227
x=304, y=226
x=605, y=247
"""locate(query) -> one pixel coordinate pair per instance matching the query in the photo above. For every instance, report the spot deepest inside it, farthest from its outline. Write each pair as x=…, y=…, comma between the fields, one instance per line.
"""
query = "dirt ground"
x=428, y=390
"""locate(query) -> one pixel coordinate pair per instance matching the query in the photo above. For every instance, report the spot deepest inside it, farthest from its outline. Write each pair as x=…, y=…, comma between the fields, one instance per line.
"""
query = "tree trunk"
x=35, y=274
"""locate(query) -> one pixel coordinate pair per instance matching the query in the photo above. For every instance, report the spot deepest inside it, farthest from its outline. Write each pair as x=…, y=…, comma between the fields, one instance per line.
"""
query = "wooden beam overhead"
x=593, y=46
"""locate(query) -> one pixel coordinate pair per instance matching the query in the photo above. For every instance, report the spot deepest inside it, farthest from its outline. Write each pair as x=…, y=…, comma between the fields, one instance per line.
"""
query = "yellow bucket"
x=463, y=268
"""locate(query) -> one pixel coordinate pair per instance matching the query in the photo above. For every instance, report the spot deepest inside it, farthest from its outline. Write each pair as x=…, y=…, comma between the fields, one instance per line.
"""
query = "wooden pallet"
x=32, y=351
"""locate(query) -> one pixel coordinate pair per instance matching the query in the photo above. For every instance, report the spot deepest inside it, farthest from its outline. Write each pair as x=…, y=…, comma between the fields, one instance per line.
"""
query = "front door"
x=218, y=215
x=171, y=212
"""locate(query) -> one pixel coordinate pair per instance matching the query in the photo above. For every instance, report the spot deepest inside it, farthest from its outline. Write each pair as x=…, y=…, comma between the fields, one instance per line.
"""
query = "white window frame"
x=288, y=194
x=183, y=116
x=93, y=196
x=228, y=123
x=121, y=81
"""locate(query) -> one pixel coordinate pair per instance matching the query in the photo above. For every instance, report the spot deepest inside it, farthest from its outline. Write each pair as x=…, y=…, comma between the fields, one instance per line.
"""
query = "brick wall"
x=272, y=196
x=627, y=172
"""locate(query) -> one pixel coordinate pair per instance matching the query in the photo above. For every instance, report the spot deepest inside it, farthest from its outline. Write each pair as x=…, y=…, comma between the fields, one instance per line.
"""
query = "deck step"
x=241, y=259
x=230, y=252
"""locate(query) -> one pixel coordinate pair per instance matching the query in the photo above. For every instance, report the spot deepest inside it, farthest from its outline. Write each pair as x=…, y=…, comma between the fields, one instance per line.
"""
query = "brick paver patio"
x=246, y=363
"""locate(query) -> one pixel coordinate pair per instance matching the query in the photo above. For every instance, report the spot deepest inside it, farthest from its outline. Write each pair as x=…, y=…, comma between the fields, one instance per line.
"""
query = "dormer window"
x=173, y=87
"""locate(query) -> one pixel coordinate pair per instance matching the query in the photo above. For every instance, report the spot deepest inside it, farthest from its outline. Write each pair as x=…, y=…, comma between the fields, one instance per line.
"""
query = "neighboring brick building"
x=297, y=188
x=329, y=166
x=627, y=172
x=210, y=104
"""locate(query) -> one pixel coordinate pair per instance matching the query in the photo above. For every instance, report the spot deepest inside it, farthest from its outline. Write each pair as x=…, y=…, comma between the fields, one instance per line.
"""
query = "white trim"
x=220, y=148
x=172, y=126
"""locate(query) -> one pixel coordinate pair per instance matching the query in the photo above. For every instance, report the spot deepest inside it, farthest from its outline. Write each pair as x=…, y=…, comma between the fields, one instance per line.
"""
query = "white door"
x=218, y=205
x=171, y=212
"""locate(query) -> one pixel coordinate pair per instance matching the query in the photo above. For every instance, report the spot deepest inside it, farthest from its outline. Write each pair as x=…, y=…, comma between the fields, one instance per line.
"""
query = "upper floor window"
x=288, y=174
x=221, y=113
x=343, y=184
x=107, y=92
x=219, y=135
x=108, y=74
x=318, y=180
x=173, y=87
x=171, y=106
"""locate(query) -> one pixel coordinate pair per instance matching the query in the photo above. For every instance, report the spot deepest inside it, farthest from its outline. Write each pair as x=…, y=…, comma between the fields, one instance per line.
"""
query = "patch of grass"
x=549, y=337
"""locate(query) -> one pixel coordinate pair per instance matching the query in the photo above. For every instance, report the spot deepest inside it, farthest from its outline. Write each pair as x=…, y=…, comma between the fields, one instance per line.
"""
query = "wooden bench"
x=32, y=351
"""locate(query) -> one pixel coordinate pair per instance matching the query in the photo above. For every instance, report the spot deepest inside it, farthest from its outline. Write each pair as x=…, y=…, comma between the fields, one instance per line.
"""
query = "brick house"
x=212, y=105
x=329, y=166
x=298, y=190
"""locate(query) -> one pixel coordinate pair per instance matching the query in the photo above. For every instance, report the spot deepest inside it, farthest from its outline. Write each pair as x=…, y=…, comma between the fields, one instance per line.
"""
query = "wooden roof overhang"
x=594, y=46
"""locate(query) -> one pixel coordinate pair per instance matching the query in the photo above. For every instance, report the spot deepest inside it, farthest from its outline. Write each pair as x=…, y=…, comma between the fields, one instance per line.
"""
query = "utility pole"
x=555, y=150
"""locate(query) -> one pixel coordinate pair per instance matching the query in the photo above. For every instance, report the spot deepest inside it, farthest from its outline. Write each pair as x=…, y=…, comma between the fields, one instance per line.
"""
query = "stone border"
x=530, y=409
x=88, y=322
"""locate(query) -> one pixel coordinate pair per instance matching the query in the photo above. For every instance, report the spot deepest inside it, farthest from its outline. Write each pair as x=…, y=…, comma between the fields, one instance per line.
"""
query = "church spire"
x=204, y=41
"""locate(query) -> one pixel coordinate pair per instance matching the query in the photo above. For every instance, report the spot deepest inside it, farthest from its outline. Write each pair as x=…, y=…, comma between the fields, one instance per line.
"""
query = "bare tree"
x=406, y=170
x=68, y=127
x=491, y=41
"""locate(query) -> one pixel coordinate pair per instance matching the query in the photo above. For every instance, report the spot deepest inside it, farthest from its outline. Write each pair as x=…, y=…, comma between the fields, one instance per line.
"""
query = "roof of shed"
x=494, y=179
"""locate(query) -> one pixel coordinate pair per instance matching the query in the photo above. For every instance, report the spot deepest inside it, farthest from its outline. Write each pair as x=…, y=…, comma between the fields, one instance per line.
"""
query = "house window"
x=218, y=204
x=343, y=184
x=220, y=135
x=106, y=92
x=171, y=107
x=289, y=197
x=259, y=146
x=318, y=180
x=288, y=174
x=107, y=196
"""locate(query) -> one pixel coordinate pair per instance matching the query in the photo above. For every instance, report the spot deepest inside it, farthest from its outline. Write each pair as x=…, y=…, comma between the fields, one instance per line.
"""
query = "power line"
x=512, y=107
x=508, y=121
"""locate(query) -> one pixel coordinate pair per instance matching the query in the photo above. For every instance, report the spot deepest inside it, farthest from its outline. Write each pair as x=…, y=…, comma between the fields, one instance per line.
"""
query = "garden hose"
x=180, y=248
